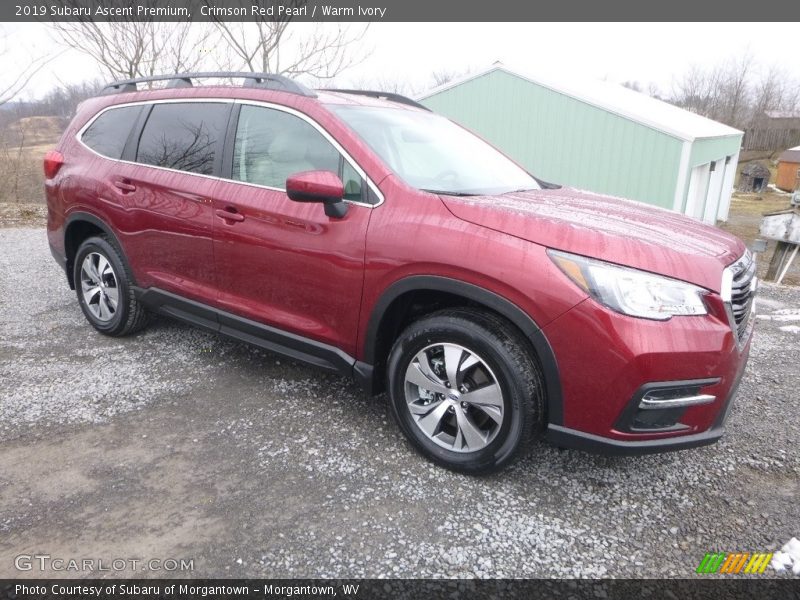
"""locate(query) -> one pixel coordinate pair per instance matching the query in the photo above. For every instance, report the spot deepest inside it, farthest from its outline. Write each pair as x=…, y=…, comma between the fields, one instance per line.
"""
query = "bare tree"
x=633, y=85
x=128, y=49
x=380, y=83
x=16, y=77
x=700, y=90
x=654, y=91
x=320, y=51
x=444, y=76
x=791, y=99
x=772, y=92
x=736, y=89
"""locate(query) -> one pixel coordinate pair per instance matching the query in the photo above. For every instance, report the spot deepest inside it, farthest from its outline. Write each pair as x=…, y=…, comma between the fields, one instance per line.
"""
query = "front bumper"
x=605, y=361
x=570, y=438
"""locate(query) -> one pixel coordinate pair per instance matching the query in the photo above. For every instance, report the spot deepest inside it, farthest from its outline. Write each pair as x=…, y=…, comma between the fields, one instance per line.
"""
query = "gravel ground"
x=179, y=444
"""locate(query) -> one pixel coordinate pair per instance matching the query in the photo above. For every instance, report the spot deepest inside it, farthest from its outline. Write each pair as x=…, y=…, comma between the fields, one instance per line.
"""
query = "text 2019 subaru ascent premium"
x=360, y=232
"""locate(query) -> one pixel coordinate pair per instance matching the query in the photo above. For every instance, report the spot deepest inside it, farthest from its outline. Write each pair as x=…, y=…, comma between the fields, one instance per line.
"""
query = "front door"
x=283, y=263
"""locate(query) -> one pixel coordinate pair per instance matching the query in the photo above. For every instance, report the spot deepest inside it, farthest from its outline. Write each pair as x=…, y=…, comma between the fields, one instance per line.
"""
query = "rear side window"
x=109, y=132
x=183, y=136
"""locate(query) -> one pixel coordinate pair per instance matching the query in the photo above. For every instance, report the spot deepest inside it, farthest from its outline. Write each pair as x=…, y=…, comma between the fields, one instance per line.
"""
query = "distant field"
x=22, y=146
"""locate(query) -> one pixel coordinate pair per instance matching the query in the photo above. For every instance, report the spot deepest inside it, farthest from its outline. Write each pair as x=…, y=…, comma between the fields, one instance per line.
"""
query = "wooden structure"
x=783, y=227
x=788, y=177
x=754, y=178
x=773, y=130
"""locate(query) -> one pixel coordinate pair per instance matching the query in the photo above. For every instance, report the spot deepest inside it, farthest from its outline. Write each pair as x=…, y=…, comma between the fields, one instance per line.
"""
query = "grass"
x=23, y=145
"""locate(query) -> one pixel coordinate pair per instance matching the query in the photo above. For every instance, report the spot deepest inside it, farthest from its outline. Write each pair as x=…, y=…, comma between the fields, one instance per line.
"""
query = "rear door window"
x=184, y=136
x=109, y=132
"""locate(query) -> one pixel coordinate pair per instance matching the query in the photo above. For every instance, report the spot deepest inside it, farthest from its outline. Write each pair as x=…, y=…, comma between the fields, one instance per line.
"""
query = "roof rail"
x=267, y=81
x=392, y=97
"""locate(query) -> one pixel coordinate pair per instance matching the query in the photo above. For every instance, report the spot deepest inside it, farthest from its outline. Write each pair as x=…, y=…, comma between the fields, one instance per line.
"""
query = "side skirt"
x=244, y=330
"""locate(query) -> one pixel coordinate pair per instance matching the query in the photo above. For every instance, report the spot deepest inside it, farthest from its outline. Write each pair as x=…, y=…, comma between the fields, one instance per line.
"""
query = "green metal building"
x=600, y=137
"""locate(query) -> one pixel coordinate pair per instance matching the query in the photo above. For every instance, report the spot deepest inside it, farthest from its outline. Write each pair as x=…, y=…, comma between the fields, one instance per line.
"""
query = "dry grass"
x=23, y=145
x=35, y=131
x=18, y=214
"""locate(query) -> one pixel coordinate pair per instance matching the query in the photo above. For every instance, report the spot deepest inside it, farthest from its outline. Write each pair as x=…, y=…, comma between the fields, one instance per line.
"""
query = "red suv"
x=360, y=232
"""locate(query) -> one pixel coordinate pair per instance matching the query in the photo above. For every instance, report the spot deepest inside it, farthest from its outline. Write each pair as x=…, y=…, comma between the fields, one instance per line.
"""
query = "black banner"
x=389, y=10
x=411, y=589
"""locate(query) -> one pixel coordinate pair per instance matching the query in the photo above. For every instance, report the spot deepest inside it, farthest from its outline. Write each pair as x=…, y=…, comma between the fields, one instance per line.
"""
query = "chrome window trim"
x=328, y=137
x=265, y=104
x=79, y=134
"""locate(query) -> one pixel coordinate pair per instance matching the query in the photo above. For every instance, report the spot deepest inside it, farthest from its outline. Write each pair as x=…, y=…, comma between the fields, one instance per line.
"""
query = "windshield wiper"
x=530, y=189
x=448, y=193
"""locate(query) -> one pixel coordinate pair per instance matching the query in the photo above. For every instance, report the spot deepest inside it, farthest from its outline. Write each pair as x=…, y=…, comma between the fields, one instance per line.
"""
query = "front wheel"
x=465, y=389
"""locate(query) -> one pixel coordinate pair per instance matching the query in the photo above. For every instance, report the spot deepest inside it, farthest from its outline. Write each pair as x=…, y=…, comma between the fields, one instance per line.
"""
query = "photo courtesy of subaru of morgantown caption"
x=361, y=232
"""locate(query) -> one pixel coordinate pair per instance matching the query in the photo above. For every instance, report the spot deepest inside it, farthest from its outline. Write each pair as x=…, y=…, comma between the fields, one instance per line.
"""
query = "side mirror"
x=318, y=186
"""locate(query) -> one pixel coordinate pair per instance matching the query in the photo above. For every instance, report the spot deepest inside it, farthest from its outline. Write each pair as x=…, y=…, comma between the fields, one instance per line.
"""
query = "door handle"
x=229, y=214
x=124, y=185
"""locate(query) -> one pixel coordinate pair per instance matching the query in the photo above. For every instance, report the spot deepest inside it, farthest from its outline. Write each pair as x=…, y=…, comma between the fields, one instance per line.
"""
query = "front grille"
x=742, y=293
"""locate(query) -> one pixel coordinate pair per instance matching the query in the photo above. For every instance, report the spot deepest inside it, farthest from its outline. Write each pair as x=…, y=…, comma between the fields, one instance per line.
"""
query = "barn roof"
x=616, y=99
x=791, y=155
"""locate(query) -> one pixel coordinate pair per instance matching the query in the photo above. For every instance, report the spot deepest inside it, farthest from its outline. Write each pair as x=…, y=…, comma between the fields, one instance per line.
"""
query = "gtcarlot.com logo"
x=735, y=562
x=753, y=563
x=46, y=562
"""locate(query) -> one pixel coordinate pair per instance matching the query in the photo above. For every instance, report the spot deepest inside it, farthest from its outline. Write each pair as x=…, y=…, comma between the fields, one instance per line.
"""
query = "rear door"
x=168, y=194
x=284, y=263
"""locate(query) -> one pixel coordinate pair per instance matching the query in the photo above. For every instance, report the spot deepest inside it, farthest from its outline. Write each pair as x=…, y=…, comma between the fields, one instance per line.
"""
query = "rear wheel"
x=465, y=389
x=104, y=289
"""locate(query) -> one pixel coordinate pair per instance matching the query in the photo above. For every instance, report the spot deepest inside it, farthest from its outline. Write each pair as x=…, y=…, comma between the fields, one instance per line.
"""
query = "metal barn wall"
x=715, y=203
x=705, y=150
x=564, y=140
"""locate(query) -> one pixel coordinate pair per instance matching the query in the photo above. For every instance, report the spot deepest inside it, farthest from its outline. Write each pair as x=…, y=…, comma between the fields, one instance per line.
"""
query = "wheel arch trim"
x=81, y=216
x=489, y=299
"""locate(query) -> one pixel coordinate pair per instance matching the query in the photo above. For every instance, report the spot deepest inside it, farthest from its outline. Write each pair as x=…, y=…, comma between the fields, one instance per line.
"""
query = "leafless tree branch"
x=128, y=49
x=19, y=76
x=291, y=48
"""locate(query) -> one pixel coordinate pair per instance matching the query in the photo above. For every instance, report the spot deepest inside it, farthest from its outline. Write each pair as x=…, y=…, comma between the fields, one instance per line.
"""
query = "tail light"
x=52, y=163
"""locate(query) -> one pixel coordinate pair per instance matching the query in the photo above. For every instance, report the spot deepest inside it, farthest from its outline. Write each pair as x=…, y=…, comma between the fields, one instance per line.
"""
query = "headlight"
x=630, y=291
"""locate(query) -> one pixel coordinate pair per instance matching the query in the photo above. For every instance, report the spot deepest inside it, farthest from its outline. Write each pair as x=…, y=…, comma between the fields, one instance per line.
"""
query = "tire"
x=105, y=289
x=491, y=419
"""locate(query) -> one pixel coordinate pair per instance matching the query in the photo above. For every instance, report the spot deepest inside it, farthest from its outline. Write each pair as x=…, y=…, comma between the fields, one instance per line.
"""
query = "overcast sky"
x=645, y=52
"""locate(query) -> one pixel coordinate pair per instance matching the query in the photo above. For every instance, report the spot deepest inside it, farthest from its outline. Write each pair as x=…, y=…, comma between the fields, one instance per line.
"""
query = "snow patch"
x=787, y=314
x=788, y=557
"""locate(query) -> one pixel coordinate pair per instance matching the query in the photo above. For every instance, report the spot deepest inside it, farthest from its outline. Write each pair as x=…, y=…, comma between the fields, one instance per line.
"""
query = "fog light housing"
x=658, y=407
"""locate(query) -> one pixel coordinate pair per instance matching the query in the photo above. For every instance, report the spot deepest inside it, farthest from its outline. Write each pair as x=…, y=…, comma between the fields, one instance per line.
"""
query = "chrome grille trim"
x=739, y=284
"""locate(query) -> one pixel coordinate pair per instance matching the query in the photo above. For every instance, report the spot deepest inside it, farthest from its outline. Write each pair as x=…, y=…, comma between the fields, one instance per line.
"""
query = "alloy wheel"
x=454, y=397
x=99, y=286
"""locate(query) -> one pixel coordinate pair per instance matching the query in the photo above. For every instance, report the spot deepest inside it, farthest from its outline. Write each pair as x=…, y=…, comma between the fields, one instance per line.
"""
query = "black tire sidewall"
x=101, y=246
x=458, y=331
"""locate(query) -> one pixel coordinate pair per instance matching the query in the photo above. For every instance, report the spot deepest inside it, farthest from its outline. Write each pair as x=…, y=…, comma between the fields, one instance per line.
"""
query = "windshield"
x=431, y=153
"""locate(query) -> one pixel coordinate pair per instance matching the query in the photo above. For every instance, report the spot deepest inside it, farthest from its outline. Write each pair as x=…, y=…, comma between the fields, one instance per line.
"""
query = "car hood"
x=608, y=228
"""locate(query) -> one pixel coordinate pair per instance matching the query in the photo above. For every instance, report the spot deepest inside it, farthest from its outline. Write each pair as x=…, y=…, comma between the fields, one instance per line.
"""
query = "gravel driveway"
x=178, y=444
